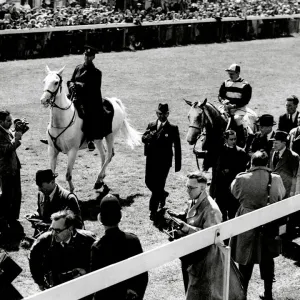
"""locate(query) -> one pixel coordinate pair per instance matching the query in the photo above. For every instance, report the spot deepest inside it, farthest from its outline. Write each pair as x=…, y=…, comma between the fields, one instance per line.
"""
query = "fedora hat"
x=163, y=108
x=266, y=120
x=90, y=51
x=44, y=176
x=280, y=136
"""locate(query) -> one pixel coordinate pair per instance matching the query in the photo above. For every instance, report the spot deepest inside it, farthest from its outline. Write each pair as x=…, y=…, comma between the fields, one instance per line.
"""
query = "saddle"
x=108, y=116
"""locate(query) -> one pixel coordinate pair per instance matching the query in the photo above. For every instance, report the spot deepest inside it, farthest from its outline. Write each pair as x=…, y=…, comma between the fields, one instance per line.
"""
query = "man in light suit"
x=286, y=163
x=10, y=178
x=159, y=139
x=289, y=120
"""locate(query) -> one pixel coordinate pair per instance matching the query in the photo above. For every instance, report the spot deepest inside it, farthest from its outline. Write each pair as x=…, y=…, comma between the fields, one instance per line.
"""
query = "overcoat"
x=9, y=161
x=288, y=169
x=250, y=188
x=117, y=245
x=206, y=272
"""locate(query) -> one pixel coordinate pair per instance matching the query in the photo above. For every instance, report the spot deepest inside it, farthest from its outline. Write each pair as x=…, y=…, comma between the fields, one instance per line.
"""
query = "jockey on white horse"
x=234, y=94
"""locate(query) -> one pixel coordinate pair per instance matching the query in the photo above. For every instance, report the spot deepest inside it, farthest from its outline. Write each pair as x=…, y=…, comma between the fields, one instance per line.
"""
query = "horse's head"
x=52, y=86
x=199, y=118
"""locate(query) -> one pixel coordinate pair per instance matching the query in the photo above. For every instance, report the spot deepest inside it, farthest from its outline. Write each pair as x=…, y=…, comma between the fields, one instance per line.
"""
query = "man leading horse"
x=234, y=94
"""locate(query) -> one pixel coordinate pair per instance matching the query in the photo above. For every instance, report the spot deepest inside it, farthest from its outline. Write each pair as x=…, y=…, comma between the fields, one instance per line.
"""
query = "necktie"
x=290, y=117
x=159, y=126
x=275, y=159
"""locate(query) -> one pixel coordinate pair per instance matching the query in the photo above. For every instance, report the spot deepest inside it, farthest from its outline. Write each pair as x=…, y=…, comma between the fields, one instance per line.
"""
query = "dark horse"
x=208, y=124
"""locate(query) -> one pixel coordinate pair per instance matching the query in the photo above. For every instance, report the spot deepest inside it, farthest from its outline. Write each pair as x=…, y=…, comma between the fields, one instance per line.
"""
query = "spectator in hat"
x=116, y=245
x=262, y=138
x=61, y=254
x=159, y=139
x=51, y=199
x=85, y=86
x=289, y=120
x=285, y=162
x=234, y=94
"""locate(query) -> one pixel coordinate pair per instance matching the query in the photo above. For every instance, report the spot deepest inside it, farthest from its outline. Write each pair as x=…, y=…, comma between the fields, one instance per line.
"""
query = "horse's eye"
x=56, y=83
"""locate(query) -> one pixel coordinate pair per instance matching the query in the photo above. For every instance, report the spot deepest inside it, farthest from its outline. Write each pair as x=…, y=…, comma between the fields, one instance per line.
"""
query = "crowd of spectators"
x=13, y=16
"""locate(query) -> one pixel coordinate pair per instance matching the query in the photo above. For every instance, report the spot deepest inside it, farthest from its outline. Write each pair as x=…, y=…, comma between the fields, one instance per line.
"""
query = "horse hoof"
x=98, y=185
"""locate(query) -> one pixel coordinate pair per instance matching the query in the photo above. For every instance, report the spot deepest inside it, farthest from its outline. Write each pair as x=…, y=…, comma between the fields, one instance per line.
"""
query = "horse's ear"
x=61, y=70
x=47, y=69
x=203, y=103
x=188, y=102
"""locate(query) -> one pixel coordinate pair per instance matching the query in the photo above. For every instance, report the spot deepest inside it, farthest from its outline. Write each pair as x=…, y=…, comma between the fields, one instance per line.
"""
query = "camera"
x=21, y=125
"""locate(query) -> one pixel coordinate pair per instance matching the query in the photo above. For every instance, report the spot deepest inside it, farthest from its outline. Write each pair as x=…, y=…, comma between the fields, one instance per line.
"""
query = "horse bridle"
x=51, y=100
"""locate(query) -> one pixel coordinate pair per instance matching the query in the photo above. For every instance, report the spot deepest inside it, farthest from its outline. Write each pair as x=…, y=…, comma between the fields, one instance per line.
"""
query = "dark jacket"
x=88, y=80
x=62, y=199
x=260, y=142
x=159, y=144
x=288, y=169
x=113, y=247
x=9, y=161
x=287, y=125
x=231, y=162
x=49, y=259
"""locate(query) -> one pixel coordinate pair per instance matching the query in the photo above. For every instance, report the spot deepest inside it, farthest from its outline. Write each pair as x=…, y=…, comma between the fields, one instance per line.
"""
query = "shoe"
x=44, y=141
x=91, y=146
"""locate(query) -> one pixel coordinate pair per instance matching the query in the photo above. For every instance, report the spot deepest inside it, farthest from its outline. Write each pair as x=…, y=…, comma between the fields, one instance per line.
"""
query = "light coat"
x=250, y=188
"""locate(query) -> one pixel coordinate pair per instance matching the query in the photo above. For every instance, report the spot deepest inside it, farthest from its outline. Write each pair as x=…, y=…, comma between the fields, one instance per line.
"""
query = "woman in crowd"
x=203, y=269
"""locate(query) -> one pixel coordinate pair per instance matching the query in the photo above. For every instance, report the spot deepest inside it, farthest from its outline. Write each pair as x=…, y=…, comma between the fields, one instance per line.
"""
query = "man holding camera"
x=61, y=254
x=10, y=179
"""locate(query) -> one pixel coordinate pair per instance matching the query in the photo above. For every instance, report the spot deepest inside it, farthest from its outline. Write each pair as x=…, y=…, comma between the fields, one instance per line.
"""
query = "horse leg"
x=100, y=147
x=52, y=154
x=110, y=152
x=72, y=154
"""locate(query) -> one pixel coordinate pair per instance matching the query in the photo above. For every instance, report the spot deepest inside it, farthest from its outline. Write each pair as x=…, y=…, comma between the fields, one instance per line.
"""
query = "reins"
x=52, y=103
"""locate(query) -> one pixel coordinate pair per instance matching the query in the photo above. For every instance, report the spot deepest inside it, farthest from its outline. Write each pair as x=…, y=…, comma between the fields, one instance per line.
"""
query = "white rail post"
x=226, y=250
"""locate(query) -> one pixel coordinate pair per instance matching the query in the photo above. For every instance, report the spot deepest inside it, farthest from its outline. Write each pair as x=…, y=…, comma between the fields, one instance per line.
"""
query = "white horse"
x=64, y=132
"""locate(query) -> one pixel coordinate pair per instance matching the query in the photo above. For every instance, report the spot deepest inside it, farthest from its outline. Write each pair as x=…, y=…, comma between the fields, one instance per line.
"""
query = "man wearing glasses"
x=62, y=253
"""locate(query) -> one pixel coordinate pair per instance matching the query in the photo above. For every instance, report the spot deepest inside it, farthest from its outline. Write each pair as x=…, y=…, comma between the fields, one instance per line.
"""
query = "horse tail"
x=132, y=136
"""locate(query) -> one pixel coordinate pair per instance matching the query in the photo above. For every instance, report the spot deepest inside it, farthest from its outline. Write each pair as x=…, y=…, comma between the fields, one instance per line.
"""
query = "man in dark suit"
x=261, y=140
x=231, y=162
x=52, y=198
x=159, y=138
x=289, y=120
x=10, y=179
x=285, y=162
x=116, y=245
x=61, y=254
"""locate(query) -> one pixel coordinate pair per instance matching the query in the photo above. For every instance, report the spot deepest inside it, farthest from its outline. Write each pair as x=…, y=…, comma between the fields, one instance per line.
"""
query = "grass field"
x=142, y=80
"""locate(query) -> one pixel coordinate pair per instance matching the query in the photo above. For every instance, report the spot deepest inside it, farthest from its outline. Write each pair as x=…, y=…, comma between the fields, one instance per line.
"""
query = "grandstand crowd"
x=14, y=16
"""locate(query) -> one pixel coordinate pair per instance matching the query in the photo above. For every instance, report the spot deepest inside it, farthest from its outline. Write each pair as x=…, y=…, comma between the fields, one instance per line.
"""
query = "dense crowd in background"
x=24, y=17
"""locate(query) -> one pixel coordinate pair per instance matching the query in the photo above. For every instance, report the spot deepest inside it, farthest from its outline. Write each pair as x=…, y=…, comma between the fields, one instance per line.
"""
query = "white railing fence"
x=97, y=280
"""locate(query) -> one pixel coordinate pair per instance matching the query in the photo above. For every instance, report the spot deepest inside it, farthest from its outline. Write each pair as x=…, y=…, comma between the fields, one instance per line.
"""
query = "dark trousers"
x=155, y=179
x=266, y=268
x=227, y=203
x=10, y=200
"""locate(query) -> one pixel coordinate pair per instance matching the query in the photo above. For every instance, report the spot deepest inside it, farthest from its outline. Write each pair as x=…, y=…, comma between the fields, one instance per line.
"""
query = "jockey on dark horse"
x=235, y=93
x=85, y=91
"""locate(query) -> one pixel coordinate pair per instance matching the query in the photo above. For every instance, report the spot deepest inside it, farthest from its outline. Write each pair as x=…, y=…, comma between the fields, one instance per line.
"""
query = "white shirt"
x=158, y=123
